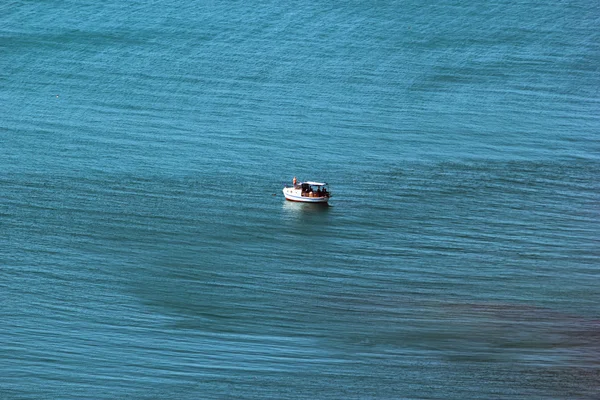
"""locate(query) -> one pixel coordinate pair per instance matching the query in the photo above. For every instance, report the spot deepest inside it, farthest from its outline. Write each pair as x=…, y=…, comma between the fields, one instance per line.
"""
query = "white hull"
x=296, y=195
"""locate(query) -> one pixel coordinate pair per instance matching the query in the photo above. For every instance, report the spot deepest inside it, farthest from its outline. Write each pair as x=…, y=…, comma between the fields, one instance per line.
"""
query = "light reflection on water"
x=297, y=209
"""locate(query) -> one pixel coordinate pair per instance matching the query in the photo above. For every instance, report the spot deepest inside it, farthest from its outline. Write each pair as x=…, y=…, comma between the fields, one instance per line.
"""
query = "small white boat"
x=307, y=192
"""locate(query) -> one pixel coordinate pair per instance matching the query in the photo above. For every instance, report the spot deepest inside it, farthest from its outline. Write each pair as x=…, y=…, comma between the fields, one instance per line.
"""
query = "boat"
x=307, y=192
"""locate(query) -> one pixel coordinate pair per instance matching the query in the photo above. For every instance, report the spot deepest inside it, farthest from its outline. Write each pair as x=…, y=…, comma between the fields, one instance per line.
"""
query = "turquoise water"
x=146, y=250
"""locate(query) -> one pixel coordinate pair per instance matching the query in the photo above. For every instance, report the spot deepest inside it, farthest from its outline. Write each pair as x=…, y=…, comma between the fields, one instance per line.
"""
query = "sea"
x=147, y=251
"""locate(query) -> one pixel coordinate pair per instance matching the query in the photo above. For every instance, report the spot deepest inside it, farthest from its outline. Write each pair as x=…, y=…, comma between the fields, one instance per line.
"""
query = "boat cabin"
x=312, y=189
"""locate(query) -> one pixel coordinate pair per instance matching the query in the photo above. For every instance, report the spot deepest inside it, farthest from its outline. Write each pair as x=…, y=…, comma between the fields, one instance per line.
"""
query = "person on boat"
x=294, y=181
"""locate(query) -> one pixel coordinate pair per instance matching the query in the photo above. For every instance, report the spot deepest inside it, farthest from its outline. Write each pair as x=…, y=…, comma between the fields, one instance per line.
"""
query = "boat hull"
x=291, y=196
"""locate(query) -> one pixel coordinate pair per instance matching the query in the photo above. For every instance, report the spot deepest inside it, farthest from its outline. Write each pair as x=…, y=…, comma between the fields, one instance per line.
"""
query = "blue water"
x=147, y=252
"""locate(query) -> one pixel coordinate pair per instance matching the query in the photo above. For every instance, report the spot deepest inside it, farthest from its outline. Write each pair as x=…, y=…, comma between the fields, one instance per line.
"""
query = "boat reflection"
x=297, y=209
